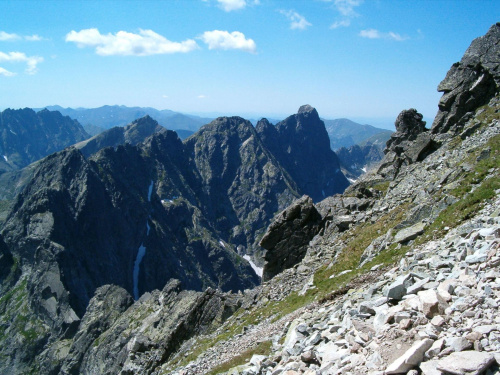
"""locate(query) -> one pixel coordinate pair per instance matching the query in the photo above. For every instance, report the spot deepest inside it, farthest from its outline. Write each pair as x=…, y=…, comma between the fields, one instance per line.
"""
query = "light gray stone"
x=409, y=233
x=397, y=290
x=430, y=368
x=466, y=363
x=458, y=344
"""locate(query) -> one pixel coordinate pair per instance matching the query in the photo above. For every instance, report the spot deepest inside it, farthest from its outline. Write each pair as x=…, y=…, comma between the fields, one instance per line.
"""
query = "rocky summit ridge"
x=397, y=275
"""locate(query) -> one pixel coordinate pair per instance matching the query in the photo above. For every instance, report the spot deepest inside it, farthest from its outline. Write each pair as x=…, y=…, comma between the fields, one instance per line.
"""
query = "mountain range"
x=96, y=120
x=136, y=207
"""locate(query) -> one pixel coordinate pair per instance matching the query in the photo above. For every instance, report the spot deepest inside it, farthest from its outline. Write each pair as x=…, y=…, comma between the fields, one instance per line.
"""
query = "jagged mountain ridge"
x=109, y=116
x=27, y=136
x=300, y=143
x=135, y=132
x=137, y=216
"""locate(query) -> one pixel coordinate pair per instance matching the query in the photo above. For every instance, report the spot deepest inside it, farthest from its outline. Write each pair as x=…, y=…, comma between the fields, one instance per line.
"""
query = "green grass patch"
x=263, y=348
x=471, y=201
x=382, y=186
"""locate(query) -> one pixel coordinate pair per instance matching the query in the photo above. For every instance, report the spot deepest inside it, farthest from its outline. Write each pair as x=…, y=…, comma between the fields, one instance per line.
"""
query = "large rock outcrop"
x=287, y=238
x=410, y=143
x=470, y=83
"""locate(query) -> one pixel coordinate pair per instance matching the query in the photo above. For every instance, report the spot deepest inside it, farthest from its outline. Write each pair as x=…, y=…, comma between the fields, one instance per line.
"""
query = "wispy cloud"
x=145, y=43
x=6, y=73
x=8, y=37
x=224, y=40
x=20, y=57
x=343, y=23
x=346, y=7
x=34, y=38
x=346, y=10
x=201, y=96
x=230, y=5
x=375, y=34
x=297, y=21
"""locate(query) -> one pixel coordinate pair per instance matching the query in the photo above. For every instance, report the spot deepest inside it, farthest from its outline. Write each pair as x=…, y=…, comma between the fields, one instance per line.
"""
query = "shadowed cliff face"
x=27, y=136
x=301, y=145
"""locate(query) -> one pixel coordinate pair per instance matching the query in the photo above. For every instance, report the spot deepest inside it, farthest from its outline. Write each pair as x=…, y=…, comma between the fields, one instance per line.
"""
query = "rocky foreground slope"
x=403, y=275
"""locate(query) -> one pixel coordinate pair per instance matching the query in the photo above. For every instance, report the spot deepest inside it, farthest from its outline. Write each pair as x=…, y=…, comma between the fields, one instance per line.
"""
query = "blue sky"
x=364, y=60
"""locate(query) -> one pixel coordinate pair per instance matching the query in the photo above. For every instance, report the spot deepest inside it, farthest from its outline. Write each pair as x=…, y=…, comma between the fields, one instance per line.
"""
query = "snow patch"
x=6, y=158
x=222, y=244
x=13, y=132
x=257, y=270
x=135, y=275
x=351, y=180
x=364, y=169
x=150, y=191
x=141, y=252
x=169, y=200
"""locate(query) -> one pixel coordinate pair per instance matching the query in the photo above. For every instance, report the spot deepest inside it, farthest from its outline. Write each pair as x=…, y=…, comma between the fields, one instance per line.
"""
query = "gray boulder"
x=287, y=237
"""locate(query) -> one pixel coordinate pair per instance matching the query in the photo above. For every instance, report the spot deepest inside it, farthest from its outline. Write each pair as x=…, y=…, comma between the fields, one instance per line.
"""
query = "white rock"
x=430, y=368
x=412, y=357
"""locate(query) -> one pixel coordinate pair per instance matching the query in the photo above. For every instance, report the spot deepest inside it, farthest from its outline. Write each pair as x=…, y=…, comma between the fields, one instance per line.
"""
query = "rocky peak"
x=470, y=83
x=306, y=108
x=410, y=122
x=304, y=150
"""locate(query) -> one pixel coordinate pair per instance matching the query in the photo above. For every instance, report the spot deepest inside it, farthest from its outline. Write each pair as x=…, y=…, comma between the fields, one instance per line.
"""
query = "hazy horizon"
x=361, y=60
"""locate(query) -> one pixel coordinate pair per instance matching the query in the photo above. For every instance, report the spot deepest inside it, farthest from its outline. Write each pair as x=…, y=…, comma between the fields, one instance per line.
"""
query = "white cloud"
x=147, y=42
x=201, y=96
x=370, y=34
x=296, y=20
x=343, y=23
x=346, y=7
x=33, y=38
x=375, y=34
x=230, y=5
x=218, y=39
x=6, y=37
x=346, y=10
x=6, y=73
x=14, y=57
